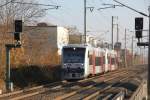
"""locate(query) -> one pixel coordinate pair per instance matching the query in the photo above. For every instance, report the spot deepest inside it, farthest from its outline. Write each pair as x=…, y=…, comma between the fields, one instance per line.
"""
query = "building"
x=42, y=43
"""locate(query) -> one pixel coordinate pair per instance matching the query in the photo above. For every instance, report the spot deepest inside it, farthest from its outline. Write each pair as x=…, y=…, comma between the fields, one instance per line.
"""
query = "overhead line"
x=36, y=4
x=6, y=3
x=132, y=8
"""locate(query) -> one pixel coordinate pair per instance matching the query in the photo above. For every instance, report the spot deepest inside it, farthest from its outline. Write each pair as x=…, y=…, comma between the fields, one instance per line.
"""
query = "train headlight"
x=74, y=48
x=64, y=65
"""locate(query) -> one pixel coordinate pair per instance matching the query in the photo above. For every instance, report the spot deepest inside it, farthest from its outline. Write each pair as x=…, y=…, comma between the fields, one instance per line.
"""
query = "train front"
x=73, y=62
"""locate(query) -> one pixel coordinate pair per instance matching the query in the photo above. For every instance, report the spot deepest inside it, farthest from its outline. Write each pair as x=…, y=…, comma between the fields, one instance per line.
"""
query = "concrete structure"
x=141, y=92
x=44, y=41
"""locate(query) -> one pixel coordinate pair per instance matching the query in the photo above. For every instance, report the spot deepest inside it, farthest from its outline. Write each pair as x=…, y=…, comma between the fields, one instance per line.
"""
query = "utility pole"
x=8, y=81
x=140, y=56
x=148, y=83
x=112, y=37
x=117, y=33
x=84, y=22
x=132, y=52
x=112, y=40
x=17, y=44
x=9, y=85
x=148, y=86
x=125, y=62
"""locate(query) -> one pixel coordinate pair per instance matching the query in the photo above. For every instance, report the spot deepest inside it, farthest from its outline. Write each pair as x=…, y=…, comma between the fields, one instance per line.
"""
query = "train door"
x=103, y=62
x=106, y=61
x=113, y=61
x=91, y=61
x=98, y=67
x=109, y=61
x=87, y=62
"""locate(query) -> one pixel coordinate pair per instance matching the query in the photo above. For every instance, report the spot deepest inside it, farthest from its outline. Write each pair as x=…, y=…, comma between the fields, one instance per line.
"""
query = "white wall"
x=62, y=38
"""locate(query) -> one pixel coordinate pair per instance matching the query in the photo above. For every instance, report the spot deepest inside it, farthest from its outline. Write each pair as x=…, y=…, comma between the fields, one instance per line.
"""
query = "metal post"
x=148, y=88
x=117, y=33
x=8, y=87
x=112, y=32
x=132, y=52
x=140, y=56
x=85, y=21
x=125, y=49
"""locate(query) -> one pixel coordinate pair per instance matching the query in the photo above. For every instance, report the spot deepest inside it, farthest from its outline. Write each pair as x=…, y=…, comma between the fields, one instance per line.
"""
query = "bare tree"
x=9, y=11
x=73, y=30
x=16, y=9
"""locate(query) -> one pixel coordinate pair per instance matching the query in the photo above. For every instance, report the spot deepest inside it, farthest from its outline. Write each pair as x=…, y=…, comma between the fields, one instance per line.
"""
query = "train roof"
x=89, y=47
x=75, y=45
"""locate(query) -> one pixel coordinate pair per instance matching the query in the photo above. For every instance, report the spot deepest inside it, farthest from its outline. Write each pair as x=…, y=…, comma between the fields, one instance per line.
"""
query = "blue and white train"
x=80, y=61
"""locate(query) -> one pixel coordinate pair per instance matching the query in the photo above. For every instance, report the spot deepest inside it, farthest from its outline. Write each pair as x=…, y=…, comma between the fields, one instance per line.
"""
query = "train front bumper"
x=68, y=76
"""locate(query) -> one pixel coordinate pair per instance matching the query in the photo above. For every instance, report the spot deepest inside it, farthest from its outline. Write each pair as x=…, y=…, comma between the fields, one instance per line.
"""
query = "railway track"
x=43, y=88
x=80, y=90
x=85, y=92
x=67, y=91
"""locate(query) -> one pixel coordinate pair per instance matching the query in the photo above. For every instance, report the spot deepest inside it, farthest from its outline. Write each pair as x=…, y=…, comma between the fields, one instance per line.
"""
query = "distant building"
x=75, y=39
x=90, y=40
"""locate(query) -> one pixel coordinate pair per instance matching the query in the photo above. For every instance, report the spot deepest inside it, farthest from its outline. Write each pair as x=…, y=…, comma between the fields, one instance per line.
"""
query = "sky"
x=99, y=21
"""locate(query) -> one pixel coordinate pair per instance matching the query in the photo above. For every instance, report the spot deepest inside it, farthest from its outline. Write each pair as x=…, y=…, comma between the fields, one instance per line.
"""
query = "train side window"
x=109, y=58
x=101, y=61
x=113, y=60
x=104, y=60
x=90, y=56
x=97, y=61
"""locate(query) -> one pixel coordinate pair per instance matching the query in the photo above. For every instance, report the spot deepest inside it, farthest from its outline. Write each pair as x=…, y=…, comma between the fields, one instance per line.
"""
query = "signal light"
x=18, y=25
x=138, y=23
x=142, y=44
x=17, y=36
x=138, y=34
x=138, y=27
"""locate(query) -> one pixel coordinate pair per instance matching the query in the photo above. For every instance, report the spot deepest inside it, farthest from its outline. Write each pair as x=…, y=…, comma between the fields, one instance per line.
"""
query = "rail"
x=37, y=90
x=119, y=96
x=139, y=93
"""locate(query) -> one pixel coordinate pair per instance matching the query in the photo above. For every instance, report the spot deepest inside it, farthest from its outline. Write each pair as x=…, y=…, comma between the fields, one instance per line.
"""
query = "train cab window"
x=71, y=55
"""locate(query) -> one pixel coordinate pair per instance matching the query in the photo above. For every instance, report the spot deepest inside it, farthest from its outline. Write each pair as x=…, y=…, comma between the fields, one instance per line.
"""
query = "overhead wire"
x=71, y=14
x=34, y=4
x=96, y=19
x=107, y=19
x=6, y=3
x=67, y=10
x=95, y=14
x=63, y=13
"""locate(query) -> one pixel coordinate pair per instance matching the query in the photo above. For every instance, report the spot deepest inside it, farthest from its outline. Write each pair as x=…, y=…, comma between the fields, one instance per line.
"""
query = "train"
x=81, y=61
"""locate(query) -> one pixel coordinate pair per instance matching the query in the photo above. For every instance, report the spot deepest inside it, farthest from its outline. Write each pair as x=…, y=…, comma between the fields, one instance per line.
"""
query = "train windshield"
x=73, y=55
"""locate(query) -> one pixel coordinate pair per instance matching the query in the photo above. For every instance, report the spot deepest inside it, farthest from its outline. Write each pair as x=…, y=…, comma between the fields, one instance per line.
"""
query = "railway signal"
x=18, y=26
x=18, y=30
x=138, y=27
x=17, y=37
x=138, y=23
